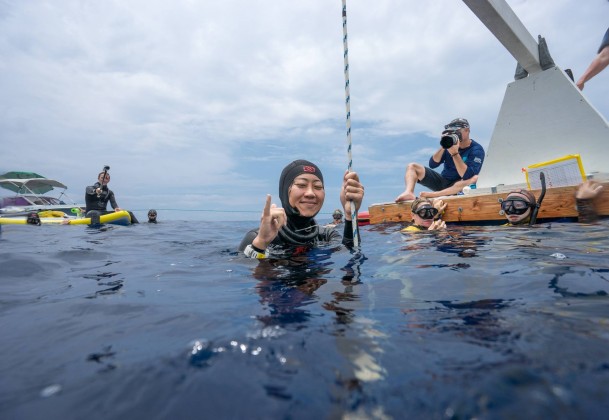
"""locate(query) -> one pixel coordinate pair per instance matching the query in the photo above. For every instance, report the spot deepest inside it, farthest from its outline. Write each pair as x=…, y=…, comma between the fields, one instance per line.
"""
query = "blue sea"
x=169, y=321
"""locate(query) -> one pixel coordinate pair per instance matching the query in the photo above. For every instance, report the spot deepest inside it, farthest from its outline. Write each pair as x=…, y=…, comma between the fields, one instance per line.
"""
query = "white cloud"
x=203, y=97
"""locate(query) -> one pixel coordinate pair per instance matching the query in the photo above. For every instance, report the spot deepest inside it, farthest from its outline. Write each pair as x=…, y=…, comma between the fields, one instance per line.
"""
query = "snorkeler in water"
x=292, y=227
x=426, y=215
x=152, y=216
x=520, y=207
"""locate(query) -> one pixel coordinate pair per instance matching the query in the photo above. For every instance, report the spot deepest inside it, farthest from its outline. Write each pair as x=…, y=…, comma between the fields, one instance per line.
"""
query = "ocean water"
x=168, y=321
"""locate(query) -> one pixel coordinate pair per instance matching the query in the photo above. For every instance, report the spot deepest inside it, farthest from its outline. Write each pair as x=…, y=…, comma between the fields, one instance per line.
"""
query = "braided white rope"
x=348, y=106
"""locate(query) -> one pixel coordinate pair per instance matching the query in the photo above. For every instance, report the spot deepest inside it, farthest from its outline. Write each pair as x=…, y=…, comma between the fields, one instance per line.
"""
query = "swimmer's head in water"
x=418, y=202
x=152, y=215
x=518, y=206
x=33, y=219
x=423, y=212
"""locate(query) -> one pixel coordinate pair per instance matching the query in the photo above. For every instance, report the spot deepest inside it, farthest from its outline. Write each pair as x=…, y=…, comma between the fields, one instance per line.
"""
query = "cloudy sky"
x=197, y=105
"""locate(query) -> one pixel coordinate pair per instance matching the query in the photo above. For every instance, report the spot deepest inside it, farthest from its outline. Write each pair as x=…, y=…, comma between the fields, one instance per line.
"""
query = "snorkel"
x=542, y=178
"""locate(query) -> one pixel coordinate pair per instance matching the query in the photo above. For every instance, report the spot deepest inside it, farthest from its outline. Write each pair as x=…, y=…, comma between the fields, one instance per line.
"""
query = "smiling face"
x=307, y=194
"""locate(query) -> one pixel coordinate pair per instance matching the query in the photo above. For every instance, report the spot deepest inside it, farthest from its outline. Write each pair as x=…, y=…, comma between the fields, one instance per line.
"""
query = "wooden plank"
x=557, y=203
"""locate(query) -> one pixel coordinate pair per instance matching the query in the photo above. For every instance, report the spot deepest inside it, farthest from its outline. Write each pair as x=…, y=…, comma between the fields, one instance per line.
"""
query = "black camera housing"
x=450, y=137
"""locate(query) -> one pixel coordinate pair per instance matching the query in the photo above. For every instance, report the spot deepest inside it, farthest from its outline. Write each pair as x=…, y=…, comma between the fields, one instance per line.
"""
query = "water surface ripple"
x=169, y=321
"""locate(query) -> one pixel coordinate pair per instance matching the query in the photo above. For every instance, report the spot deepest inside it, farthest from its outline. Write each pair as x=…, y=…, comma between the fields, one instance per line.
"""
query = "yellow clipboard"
x=561, y=172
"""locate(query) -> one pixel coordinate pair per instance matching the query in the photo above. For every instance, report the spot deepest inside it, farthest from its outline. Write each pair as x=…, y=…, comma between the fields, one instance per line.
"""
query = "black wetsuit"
x=300, y=233
x=100, y=203
x=285, y=243
x=96, y=206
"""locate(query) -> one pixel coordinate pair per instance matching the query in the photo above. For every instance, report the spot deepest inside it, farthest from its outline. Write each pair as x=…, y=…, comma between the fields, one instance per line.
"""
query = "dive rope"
x=348, y=107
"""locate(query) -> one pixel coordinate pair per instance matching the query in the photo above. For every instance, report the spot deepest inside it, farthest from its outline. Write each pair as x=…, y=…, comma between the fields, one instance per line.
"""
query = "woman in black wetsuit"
x=302, y=194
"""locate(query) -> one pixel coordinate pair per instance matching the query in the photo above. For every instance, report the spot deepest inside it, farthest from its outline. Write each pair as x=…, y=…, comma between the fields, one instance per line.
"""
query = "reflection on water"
x=169, y=321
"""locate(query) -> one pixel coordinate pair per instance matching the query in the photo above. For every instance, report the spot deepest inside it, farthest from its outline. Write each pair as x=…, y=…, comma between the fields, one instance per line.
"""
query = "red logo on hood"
x=310, y=169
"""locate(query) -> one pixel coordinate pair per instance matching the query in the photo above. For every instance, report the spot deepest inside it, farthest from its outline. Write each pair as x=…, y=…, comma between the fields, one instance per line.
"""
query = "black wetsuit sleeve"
x=348, y=234
x=586, y=212
x=248, y=239
x=112, y=199
x=92, y=201
x=90, y=190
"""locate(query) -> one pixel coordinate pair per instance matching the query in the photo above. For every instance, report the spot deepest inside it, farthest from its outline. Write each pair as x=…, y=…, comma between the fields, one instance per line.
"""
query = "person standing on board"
x=598, y=64
x=462, y=158
x=291, y=229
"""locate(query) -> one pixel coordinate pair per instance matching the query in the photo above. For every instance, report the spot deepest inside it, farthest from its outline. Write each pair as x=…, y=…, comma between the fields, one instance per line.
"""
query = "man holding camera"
x=462, y=158
x=98, y=195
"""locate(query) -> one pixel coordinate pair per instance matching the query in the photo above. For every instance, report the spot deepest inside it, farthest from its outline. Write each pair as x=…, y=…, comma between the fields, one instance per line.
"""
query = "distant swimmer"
x=337, y=218
x=426, y=215
x=152, y=216
x=462, y=158
x=291, y=229
x=33, y=219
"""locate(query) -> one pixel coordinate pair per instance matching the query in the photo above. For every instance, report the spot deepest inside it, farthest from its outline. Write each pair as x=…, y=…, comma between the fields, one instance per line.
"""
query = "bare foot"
x=405, y=196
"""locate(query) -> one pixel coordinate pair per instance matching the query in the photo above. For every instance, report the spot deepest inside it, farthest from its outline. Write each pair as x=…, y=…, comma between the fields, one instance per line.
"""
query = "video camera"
x=450, y=137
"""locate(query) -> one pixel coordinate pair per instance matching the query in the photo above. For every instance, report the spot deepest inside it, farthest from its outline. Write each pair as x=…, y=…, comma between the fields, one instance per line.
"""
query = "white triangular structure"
x=543, y=116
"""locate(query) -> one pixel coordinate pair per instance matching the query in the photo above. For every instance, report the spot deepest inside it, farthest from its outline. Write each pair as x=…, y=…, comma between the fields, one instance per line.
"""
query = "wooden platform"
x=481, y=207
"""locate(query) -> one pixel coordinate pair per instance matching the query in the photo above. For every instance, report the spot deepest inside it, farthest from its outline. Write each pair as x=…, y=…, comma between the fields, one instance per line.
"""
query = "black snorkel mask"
x=426, y=212
x=515, y=206
x=519, y=205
